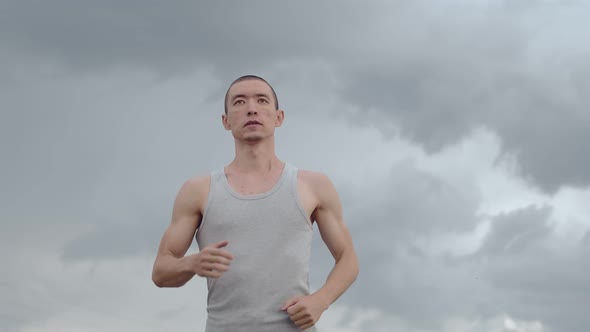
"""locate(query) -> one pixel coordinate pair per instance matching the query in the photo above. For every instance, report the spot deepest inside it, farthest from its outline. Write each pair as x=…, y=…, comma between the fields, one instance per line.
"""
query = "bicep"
x=185, y=219
x=178, y=237
x=330, y=221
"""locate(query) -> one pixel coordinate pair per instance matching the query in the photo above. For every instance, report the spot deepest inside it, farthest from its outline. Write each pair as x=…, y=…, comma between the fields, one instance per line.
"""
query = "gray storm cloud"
x=434, y=71
x=94, y=119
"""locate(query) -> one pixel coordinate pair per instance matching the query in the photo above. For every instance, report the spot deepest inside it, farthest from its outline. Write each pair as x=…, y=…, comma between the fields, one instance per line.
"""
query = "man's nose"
x=252, y=109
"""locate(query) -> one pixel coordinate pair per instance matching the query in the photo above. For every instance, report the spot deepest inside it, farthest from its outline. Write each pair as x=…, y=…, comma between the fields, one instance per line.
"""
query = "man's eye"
x=239, y=101
x=262, y=100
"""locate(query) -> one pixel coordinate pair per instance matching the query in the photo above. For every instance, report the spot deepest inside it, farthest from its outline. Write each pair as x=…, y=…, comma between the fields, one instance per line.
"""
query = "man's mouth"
x=252, y=122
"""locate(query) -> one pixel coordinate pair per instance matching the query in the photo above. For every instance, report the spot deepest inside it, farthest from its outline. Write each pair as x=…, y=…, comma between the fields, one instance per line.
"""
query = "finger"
x=306, y=326
x=299, y=315
x=217, y=259
x=289, y=303
x=215, y=267
x=302, y=320
x=211, y=273
x=220, y=244
x=292, y=310
x=220, y=267
x=221, y=253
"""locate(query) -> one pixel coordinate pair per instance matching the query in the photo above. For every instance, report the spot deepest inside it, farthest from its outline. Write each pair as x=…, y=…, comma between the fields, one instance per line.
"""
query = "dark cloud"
x=29, y=292
x=436, y=76
x=397, y=275
x=438, y=107
x=177, y=36
x=418, y=203
x=471, y=74
x=517, y=232
x=533, y=273
x=110, y=151
x=522, y=267
x=98, y=153
x=127, y=236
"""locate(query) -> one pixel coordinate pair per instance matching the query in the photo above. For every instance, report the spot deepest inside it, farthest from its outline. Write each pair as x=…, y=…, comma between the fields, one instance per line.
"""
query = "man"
x=253, y=222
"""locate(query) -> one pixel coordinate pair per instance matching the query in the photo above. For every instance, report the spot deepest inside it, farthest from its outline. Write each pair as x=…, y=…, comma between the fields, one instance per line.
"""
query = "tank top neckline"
x=275, y=187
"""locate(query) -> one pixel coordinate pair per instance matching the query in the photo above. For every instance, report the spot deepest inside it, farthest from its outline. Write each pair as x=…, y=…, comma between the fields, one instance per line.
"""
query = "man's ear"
x=280, y=118
x=225, y=122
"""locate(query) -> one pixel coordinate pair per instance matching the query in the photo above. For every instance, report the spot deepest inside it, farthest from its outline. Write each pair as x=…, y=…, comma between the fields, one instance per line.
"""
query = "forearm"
x=170, y=271
x=343, y=274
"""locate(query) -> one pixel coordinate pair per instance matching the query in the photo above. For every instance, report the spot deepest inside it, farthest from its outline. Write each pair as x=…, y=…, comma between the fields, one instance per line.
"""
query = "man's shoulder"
x=198, y=181
x=311, y=175
x=196, y=186
x=320, y=186
x=315, y=179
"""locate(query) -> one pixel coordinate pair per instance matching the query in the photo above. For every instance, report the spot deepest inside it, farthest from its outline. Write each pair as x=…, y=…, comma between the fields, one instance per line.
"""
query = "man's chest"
x=253, y=185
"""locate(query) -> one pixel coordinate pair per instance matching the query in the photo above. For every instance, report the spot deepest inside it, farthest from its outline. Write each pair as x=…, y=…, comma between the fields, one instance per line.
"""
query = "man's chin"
x=253, y=138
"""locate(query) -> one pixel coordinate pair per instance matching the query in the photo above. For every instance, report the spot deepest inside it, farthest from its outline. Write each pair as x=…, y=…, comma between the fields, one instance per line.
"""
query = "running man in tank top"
x=253, y=221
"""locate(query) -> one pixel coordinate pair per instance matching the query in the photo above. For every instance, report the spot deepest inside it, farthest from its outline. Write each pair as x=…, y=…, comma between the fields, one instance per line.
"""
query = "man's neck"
x=257, y=157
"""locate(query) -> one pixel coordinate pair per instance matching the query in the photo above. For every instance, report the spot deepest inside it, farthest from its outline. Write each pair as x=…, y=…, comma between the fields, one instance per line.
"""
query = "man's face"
x=251, y=113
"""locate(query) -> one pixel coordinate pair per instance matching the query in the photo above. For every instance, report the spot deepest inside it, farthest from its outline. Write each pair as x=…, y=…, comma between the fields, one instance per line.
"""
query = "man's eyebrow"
x=244, y=96
x=238, y=96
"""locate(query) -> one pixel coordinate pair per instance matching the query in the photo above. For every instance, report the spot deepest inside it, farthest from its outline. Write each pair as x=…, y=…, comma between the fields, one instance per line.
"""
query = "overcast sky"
x=456, y=132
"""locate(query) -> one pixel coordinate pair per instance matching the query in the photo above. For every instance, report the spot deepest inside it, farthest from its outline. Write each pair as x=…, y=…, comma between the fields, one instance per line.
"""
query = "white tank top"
x=270, y=238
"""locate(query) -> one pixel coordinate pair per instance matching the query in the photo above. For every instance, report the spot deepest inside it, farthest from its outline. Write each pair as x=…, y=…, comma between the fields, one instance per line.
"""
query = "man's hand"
x=305, y=311
x=212, y=261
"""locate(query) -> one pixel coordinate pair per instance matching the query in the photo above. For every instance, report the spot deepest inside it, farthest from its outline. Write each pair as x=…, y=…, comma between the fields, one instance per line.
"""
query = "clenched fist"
x=305, y=311
x=212, y=261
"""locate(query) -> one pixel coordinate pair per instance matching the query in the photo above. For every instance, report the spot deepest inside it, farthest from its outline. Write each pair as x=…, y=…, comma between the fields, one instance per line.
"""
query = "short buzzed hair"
x=246, y=78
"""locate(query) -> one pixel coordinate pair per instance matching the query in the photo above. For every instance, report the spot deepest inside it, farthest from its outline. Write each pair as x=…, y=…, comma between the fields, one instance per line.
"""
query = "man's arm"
x=335, y=234
x=171, y=267
x=306, y=311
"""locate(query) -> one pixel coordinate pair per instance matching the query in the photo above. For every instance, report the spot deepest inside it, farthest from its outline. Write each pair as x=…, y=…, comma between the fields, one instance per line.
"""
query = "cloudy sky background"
x=457, y=133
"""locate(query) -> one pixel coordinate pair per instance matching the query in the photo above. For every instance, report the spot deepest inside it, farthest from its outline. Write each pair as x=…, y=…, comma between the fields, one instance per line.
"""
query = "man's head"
x=251, y=109
x=246, y=78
